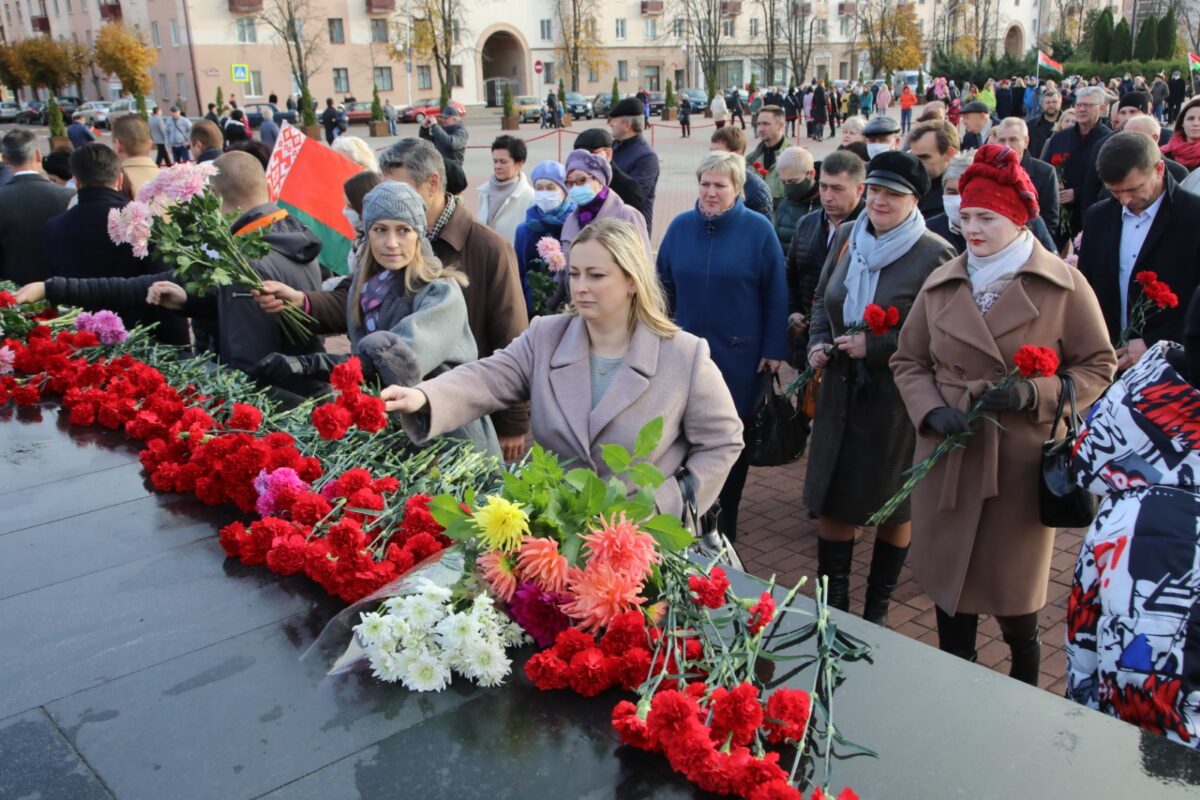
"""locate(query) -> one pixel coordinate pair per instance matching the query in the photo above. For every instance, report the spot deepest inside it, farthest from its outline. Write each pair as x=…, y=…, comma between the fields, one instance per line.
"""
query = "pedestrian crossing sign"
x=241, y=73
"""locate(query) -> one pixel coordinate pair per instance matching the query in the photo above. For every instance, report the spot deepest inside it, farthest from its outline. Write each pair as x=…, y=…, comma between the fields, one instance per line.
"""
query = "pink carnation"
x=132, y=225
x=550, y=250
x=7, y=356
x=107, y=326
x=277, y=489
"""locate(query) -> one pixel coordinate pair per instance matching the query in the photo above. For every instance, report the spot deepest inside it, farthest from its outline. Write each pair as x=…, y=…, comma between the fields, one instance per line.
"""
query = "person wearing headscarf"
x=978, y=543
x=862, y=440
x=545, y=217
x=588, y=176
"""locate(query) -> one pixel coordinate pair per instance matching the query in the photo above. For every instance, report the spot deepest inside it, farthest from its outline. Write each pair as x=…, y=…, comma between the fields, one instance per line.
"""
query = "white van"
x=127, y=105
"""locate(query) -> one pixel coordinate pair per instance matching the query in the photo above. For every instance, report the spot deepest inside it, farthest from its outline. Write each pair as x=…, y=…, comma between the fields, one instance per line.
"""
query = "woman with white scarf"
x=862, y=440
x=978, y=543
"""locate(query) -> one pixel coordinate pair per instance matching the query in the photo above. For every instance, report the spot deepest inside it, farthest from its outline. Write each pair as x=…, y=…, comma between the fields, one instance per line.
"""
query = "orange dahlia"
x=539, y=562
x=600, y=594
x=619, y=545
x=498, y=572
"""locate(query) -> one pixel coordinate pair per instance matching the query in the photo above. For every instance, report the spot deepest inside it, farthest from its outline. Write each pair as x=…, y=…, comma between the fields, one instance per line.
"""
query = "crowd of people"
x=1017, y=212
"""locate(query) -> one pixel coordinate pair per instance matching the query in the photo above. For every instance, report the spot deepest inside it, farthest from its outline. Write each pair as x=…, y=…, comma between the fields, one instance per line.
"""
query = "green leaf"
x=668, y=531
x=446, y=510
x=648, y=438
x=646, y=474
x=571, y=548
x=591, y=498
x=616, y=457
x=578, y=478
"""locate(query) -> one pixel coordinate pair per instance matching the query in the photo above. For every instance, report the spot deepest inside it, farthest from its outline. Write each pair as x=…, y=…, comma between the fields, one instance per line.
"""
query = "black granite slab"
x=137, y=661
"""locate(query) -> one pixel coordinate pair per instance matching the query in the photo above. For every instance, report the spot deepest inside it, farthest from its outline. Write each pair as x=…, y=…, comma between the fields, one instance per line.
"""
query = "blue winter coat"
x=726, y=282
x=637, y=159
x=536, y=225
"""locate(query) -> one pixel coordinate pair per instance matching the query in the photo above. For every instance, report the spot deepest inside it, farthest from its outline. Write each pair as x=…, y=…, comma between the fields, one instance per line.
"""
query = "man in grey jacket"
x=179, y=129
x=447, y=133
x=158, y=135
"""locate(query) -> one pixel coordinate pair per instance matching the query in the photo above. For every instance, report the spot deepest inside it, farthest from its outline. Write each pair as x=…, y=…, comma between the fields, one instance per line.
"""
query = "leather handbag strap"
x=687, y=488
x=1066, y=394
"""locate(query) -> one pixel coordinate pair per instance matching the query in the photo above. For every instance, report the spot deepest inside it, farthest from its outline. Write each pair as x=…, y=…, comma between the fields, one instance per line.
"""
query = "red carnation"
x=1058, y=159
x=547, y=671
x=572, y=641
x=331, y=420
x=369, y=414
x=635, y=668
x=7, y=300
x=245, y=417
x=737, y=712
x=1146, y=277
x=671, y=714
x=26, y=395
x=626, y=632
x=631, y=728
x=1160, y=293
x=588, y=674
x=778, y=789
x=762, y=612
x=286, y=556
x=347, y=376
x=1033, y=361
x=787, y=715
x=880, y=320
x=710, y=591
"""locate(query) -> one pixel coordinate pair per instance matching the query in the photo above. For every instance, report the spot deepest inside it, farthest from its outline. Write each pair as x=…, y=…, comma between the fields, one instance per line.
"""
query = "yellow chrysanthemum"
x=502, y=523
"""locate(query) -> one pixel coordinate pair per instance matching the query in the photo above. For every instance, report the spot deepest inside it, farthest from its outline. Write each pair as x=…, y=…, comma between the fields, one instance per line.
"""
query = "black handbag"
x=1062, y=503
x=709, y=540
x=776, y=433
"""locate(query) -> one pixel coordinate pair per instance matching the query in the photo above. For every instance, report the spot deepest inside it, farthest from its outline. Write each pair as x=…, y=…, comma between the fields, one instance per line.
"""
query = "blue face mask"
x=582, y=195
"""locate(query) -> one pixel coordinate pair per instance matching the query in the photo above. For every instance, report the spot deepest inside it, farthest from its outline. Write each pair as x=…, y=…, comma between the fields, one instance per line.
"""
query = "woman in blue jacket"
x=545, y=217
x=723, y=270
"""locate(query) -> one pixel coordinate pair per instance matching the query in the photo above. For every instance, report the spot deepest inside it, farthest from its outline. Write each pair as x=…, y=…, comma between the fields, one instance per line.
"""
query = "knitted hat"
x=394, y=200
x=1138, y=100
x=996, y=181
x=596, y=166
x=550, y=171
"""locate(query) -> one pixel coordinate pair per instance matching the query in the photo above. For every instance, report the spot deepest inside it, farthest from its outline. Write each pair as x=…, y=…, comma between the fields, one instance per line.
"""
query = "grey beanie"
x=592, y=164
x=394, y=200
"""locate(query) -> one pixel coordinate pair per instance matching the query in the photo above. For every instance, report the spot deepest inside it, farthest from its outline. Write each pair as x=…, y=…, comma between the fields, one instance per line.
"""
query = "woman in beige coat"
x=978, y=544
x=598, y=374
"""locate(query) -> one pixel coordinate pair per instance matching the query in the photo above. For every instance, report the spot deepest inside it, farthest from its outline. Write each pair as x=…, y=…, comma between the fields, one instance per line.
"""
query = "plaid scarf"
x=447, y=212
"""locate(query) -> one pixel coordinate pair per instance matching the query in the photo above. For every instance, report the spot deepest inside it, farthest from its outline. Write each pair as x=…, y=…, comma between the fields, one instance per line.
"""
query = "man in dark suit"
x=977, y=121
x=1013, y=133
x=1148, y=126
x=1147, y=224
x=1041, y=126
x=600, y=142
x=1078, y=146
x=26, y=203
x=632, y=153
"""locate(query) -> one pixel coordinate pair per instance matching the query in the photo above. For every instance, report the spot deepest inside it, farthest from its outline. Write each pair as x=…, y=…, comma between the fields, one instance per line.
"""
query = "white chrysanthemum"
x=485, y=662
x=429, y=589
x=456, y=630
x=395, y=604
x=385, y=665
x=422, y=614
x=426, y=673
x=372, y=628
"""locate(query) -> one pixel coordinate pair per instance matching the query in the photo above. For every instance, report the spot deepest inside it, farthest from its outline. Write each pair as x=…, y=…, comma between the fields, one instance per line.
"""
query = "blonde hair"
x=357, y=151
x=424, y=269
x=628, y=251
x=732, y=164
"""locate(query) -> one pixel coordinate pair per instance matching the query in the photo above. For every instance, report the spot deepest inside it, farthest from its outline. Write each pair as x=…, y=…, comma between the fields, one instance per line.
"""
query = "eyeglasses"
x=578, y=181
x=1087, y=105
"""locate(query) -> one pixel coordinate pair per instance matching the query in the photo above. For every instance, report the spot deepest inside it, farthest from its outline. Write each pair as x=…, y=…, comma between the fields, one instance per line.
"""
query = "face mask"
x=797, y=192
x=953, y=205
x=547, y=200
x=582, y=195
x=352, y=217
x=874, y=149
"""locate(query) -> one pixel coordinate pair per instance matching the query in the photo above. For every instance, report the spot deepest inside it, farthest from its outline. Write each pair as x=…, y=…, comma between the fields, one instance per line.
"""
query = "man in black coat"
x=977, y=122
x=1148, y=224
x=934, y=143
x=1177, y=90
x=1041, y=126
x=632, y=153
x=1014, y=133
x=26, y=202
x=600, y=142
x=1079, y=145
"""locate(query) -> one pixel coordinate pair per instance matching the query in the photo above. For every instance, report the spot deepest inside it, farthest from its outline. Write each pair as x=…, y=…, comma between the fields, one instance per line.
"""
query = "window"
x=822, y=27
x=844, y=26
x=247, y=33
x=174, y=33
x=456, y=79
x=70, y=9
x=547, y=35
x=424, y=77
x=621, y=28
x=592, y=76
x=548, y=72
x=843, y=71
x=337, y=34
x=297, y=31
x=622, y=70
x=341, y=80
x=677, y=26
x=383, y=79
x=728, y=26
x=254, y=87
x=591, y=27
x=651, y=79
x=154, y=35
x=776, y=28
x=379, y=30
x=181, y=82
x=56, y=8
x=162, y=84
x=651, y=28
x=754, y=26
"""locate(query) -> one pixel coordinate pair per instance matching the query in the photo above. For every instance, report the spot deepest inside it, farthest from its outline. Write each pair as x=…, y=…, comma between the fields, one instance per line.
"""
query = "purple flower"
x=276, y=489
x=107, y=326
x=538, y=613
x=7, y=356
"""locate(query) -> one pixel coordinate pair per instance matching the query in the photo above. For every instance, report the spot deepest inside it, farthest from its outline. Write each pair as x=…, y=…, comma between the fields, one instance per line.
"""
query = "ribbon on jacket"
x=989, y=479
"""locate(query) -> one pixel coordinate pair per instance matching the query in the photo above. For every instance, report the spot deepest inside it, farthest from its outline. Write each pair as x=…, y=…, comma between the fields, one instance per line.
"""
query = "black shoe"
x=1026, y=659
x=834, y=560
x=886, y=562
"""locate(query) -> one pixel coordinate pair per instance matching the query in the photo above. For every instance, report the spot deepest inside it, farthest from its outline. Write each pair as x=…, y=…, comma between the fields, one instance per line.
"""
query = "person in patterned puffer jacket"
x=1133, y=617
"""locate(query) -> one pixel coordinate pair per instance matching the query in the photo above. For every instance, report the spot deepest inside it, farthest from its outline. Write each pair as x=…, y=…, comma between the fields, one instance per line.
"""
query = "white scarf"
x=1000, y=267
x=869, y=254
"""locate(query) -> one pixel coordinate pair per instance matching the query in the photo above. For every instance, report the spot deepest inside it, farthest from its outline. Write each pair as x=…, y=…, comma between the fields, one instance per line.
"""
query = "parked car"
x=359, y=113
x=656, y=102
x=95, y=113
x=254, y=114
x=69, y=105
x=32, y=112
x=127, y=105
x=602, y=102
x=429, y=107
x=528, y=109
x=697, y=99
x=9, y=112
x=579, y=106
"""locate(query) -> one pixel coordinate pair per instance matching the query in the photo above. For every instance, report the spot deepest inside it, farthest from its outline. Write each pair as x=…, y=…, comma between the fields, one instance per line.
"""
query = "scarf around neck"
x=869, y=254
x=589, y=210
x=552, y=220
x=991, y=275
x=498, y=191
x=1186, y=153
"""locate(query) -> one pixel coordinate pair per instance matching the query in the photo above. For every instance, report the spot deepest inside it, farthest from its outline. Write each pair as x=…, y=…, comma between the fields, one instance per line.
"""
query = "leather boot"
x=834, y=559
x=956, y=634
x=1026, y=659
x=886, y=562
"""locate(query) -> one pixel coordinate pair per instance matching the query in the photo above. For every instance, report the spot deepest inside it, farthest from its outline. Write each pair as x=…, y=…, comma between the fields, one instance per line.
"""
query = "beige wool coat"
x=978, y=545
x=548, y=365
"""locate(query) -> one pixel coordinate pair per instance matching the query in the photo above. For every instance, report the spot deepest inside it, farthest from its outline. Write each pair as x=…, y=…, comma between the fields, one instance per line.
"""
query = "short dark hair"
x=946, y=134
x=844, y=162
x=357, y=186
x=212, y=106
x=95, y=164
x=1124, y=152
x=206, y=132
x=732, y=138
x=774, y=111
x=58, y=163
x=255, y=148
x=514, y=145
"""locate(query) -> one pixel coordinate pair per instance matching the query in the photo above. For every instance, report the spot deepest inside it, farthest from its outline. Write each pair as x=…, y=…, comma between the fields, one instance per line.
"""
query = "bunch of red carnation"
x=880, y=320
x=1155, y=290
x=588, y=666
x=1034, y=362
x=351, y=406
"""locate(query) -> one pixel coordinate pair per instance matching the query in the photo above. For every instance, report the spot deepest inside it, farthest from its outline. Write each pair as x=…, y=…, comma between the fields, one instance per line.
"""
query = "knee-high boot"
x=1026, y=658
x=886, y=562
x=834, y=559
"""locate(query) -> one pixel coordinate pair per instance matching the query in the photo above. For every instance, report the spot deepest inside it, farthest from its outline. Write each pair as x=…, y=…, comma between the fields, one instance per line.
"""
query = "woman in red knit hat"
x=978, y=543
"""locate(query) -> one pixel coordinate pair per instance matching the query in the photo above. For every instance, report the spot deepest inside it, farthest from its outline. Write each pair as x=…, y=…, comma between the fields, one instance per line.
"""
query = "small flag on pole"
x=1048, y=63
x=1193, y=62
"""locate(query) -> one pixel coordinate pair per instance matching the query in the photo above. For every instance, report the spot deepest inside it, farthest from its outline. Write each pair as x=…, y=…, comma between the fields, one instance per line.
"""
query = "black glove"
x=278, y=368
x=1016, y=397
x=946, y=421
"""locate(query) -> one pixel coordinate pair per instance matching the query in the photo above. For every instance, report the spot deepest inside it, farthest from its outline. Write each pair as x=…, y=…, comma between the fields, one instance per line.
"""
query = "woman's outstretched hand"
x=403, y=399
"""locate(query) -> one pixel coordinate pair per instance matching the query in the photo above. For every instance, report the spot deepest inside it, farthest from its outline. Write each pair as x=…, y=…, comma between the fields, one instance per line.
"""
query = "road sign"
x=240, y=73
x=537, y=67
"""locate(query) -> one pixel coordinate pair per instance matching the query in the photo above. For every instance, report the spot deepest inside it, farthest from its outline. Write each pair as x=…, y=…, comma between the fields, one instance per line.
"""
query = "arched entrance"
x=502, y=60
x=1014, y=42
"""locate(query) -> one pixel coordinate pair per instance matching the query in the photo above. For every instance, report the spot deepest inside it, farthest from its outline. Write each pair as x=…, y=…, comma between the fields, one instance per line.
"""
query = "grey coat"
x=420, y=335
x=862, y=440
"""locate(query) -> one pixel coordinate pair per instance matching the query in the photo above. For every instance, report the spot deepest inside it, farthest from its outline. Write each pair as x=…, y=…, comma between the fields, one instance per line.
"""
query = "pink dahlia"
x=619, y=544
x=600, y=594
x=539, y=561
x=538, y=613
x=498, y=572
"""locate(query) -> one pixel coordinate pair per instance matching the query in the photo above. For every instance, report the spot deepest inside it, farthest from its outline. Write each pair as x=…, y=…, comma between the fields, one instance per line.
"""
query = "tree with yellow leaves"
x=12, y=70
x=44, y=61
x=578, y=46
x=124, y=53
x=889, y=32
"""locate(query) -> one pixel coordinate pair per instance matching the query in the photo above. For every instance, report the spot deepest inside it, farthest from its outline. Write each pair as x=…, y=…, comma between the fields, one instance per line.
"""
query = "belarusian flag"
x=1046, y=62
x=1193, y=62
x=306, y=178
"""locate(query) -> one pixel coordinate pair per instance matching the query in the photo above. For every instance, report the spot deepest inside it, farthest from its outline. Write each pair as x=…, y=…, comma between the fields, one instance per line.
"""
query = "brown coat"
x=548, y=366
x=978, y=545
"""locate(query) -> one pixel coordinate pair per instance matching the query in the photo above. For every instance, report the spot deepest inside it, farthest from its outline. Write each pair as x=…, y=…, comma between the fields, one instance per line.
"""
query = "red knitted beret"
x=997, y=181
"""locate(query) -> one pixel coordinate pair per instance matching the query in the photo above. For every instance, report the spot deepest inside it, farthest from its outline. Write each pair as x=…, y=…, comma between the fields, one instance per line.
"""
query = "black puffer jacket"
x=127, y=297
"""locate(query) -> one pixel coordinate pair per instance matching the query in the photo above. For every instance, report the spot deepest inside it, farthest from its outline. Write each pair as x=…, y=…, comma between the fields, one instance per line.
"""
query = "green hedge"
x=961, y=69
x=1105, y=72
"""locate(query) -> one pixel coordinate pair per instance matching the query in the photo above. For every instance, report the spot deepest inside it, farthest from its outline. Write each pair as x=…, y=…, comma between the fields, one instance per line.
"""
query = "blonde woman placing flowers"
x=978, y=543
x=599, y=373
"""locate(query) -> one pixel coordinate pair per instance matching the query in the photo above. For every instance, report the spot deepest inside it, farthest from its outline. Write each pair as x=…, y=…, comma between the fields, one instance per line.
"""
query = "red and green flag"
x=1048, y=63
x=1193, y=62
x=306, y=177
